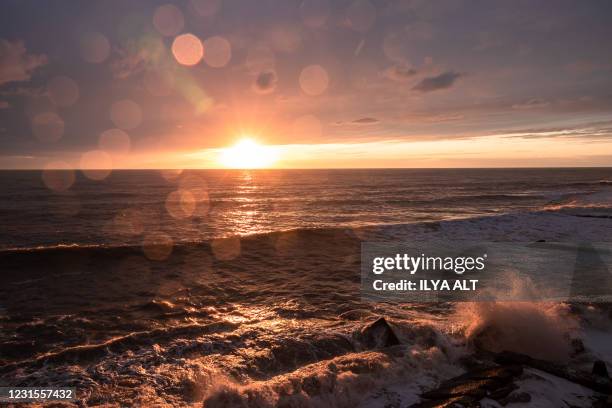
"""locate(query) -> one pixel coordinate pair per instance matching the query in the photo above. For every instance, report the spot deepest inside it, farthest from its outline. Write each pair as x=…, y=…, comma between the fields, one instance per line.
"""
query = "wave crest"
x=539, y=329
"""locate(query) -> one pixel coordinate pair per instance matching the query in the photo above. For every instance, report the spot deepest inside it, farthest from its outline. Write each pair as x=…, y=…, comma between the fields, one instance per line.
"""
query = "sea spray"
x=538, y=329
x=341, y=382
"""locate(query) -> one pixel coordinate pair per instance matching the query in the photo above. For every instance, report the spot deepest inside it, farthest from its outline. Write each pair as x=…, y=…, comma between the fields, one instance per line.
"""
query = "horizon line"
x=315, y=168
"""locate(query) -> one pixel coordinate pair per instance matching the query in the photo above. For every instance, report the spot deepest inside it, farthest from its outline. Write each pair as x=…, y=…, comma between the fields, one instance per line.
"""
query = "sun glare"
x=248, y=154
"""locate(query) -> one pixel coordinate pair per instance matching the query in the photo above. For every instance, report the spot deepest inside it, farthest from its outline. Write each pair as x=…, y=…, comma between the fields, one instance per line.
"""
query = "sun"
x=248, y=154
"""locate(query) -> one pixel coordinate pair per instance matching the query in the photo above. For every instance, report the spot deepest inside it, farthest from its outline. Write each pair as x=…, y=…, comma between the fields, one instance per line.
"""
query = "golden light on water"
x=181, y=204
x=248, y=154
x=226, y=249
x=157, y=246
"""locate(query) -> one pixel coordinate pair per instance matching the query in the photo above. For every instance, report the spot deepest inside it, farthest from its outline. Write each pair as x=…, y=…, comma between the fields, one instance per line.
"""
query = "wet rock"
x=503, y=392
x=423, y=335
x=473, y=388
x=600, y=369
x=516, y=398
x=378, y=335
x=589, y=380
x=577, y=347
x=604, y=401
x=472, y=363
x=468, y=389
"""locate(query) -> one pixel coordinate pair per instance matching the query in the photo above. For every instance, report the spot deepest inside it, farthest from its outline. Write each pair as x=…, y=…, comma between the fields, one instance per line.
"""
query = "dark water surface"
x=128, y=205
x=133, y=298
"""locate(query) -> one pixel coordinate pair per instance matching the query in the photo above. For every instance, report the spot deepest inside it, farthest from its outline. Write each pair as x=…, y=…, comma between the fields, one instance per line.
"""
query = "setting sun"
x=248, y=154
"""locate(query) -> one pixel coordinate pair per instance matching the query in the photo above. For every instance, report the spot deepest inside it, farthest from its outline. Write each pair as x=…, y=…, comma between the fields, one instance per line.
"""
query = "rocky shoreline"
x=493, y=377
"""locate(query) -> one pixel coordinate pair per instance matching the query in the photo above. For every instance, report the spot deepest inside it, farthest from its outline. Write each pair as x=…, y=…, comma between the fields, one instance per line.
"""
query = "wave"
x=598, y=204
x=340, y=382
x=468, y=198
x=587, y=183
x=89, y=352
x=538, y=329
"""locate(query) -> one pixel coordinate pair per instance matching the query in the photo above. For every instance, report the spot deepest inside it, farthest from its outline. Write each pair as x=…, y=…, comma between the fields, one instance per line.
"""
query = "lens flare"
x=168, y=20
x=126, y=114
x=95, y=47
x=314, y=80
x=187, y=49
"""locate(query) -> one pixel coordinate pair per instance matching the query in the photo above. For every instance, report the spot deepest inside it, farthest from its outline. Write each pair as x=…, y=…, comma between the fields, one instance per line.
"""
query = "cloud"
x=365, y=121
x=443, y=117
x=359, y=122
x=135, y=56
x=16, y=64
x=435, y=83
x=593, y=131
x=34, y=92
x=4, y=105
x=265, y=82
x=531, y=104
x=130, y=63
x=399, y=73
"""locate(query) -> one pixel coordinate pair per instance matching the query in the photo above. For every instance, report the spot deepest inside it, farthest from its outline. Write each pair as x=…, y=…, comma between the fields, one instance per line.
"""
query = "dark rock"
x=604, y=401
x=516, y=398
x=378, y=335
x=468, y=389
x=473, y=363
x=457, y=402
x=594, y=382
x=503, y=392
x=475, y=389
x=577, y=346
x=600, y=369
x=510, y=357
x=423, y=335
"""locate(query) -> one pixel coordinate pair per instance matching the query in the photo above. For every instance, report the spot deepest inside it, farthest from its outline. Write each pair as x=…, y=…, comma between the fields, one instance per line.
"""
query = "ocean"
x=240, y=288
x=127, y=204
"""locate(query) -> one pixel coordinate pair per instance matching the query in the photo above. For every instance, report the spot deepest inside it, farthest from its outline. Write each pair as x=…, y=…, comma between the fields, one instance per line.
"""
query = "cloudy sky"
x=355, y=83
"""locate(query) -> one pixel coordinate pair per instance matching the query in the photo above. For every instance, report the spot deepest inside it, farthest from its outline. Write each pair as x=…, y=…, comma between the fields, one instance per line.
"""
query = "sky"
x=314, y=83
